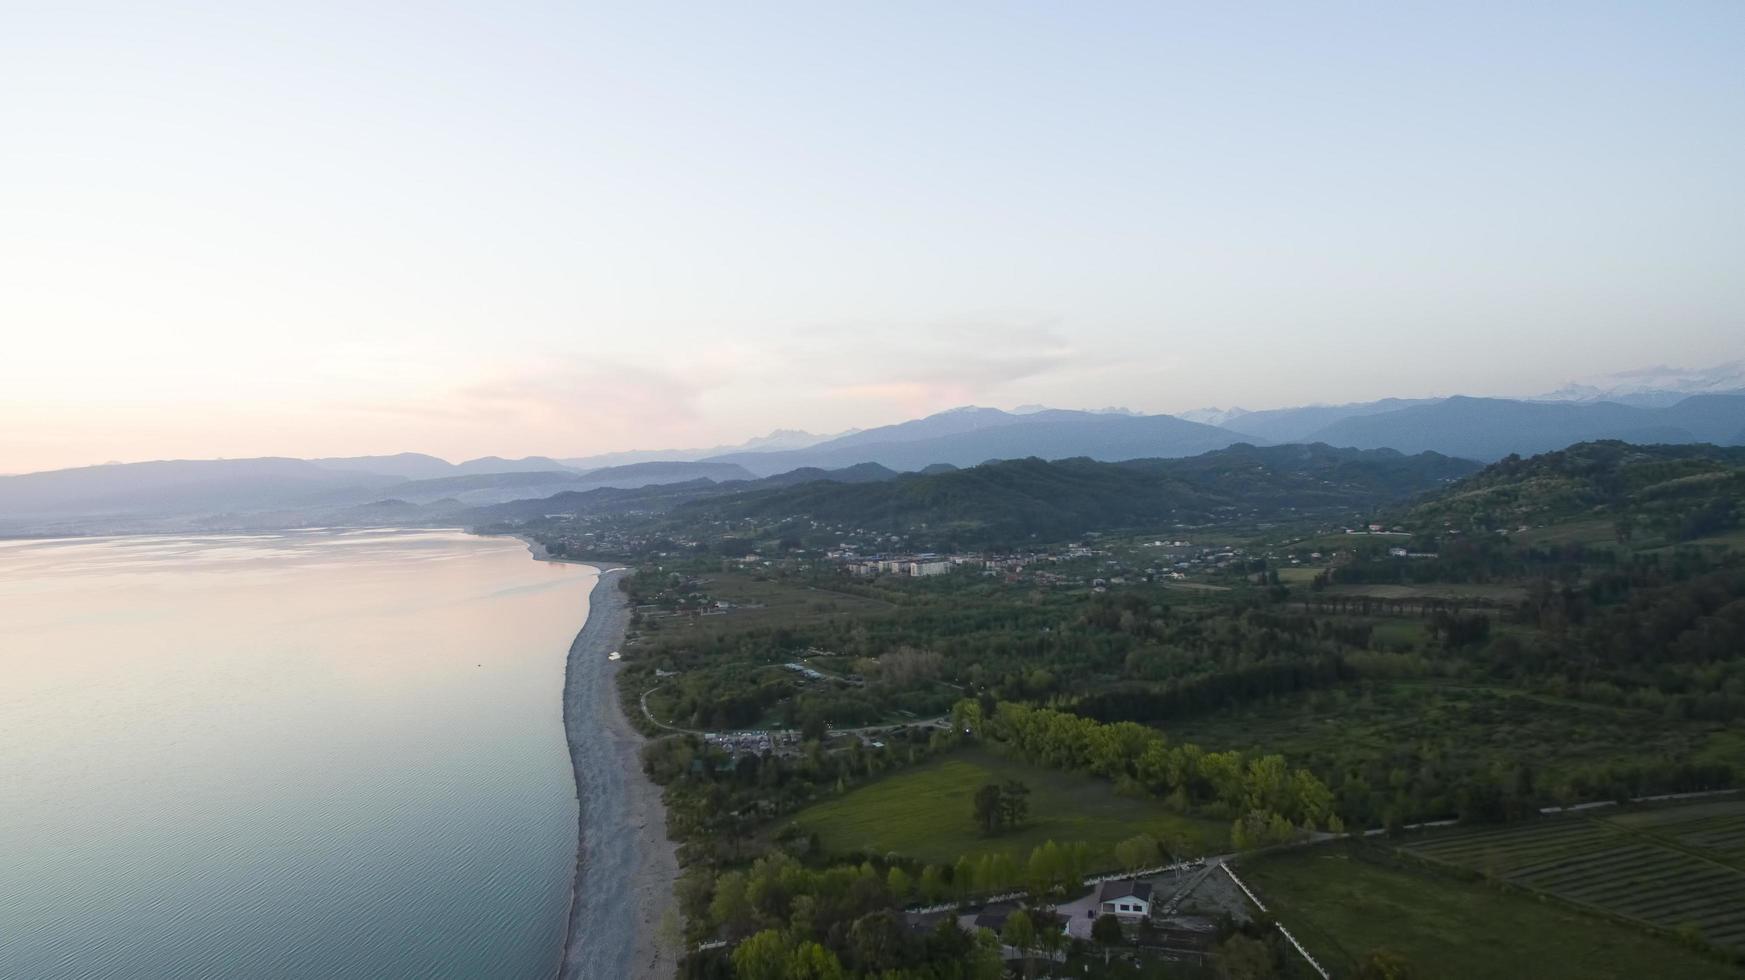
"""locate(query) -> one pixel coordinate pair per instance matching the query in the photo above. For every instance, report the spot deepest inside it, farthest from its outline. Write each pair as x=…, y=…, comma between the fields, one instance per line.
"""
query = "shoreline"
x=625, y=866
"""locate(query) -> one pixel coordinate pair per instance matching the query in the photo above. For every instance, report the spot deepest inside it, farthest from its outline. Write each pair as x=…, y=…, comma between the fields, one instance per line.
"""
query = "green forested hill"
x=1672, y=492
x=1032, y=498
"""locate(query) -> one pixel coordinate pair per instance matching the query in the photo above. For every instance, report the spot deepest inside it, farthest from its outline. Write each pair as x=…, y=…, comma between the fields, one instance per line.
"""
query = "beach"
x=625, y=866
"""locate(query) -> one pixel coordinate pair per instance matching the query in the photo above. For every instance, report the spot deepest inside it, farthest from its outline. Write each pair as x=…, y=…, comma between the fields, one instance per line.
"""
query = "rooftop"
x=1129, y=888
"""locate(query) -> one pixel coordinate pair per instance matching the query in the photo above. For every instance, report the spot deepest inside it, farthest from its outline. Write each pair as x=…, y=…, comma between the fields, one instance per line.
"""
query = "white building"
x=1127, y=899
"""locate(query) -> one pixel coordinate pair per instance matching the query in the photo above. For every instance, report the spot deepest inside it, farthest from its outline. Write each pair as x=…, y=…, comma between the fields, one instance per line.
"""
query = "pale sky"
x=235, y=229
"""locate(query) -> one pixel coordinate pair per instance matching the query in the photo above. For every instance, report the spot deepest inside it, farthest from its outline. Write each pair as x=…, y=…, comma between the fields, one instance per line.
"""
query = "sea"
x=313, y=754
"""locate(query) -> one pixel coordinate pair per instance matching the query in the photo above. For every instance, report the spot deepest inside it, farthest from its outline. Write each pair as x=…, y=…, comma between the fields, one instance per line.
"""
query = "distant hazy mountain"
x=776, y=441
x=1654, y=387
x=497, y=464
x=1303, y=423
x=176, y=494
x=175, y=486
x=1491, y=428
x=489, y=488
x=858, y=473
x=951, y=422
x=476, y=488
x=1213, y=416
x=408, y=466
x=665, y=471
x=275, y=492
x=665, y=496
x=968, y=436
x=1110, y=410
x=1710, y=418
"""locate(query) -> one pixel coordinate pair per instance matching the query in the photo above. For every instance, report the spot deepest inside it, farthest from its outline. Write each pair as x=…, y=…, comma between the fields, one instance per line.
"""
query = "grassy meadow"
x=925, y=813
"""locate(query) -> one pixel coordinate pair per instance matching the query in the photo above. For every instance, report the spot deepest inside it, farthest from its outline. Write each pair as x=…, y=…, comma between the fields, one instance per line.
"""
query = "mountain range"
x=224, y=492
x=1015, y=500
x=1653, y=387
x=776, y=441
x=967, y=436
x=169, y=494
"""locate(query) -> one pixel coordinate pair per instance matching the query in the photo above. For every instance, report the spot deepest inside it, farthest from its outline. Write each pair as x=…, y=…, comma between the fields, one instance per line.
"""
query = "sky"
x=238, y=228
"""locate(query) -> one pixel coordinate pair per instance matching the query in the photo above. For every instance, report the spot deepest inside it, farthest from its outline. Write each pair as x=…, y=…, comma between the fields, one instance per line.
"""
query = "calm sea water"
x=295, y=755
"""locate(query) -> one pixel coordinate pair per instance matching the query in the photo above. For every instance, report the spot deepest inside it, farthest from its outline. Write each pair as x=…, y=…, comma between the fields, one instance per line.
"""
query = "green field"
x=759, y=600
x=1341, y=905
x=1447, y=591
x=1645, y=866
x=1733, y=540
x=925, y=813
x=1603, y=533
x=1600, y=531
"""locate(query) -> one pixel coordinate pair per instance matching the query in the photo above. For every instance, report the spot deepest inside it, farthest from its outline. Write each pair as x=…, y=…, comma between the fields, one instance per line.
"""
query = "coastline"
x=625, y=866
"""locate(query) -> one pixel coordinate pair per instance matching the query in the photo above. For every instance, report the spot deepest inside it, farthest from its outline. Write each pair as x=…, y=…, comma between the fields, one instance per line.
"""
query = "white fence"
x=1658, y=798
x=1316, y=964
x=1245, y=889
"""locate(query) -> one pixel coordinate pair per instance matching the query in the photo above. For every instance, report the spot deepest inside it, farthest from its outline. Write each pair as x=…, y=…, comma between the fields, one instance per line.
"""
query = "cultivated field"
x=1650, y=866
x=925, y=813
x=1588, y=532
x=1341, y=904
x=760, y=601
x=1715, y=829
x=1445, y=591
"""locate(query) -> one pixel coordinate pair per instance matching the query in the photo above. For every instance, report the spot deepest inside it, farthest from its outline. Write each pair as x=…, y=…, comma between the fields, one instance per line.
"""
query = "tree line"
x=1186, y=776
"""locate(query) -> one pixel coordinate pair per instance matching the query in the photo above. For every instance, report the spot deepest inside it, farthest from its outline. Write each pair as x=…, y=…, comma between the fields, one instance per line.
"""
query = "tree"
x=997, y=807
x=762, y=957
x=813, y=727
x=811, y=961
x=731, y=908
x=932, y=888
x=1014, y=802
x=1242, y=958
x=775, y=955
x=1020, y=934
x=1137, y=852
x=988, y=810
x=1050, y=938
x=963, y=877
x=877, y=942
x=898, y=883
x=983, y=962
x=1106, y=932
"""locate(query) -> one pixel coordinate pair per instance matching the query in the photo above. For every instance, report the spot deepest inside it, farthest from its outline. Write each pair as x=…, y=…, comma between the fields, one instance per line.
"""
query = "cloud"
x=970, y=357
x=574, y=394
x=551, y=406
x=706, y=390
